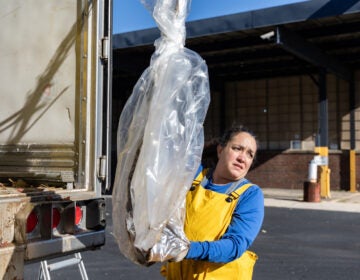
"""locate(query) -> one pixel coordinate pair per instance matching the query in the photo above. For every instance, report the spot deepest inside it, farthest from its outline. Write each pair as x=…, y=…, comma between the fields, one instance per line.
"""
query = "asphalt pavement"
x=299, y=240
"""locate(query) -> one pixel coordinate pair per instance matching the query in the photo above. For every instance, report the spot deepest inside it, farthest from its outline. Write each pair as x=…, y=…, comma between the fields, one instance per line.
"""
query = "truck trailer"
x=55, y=122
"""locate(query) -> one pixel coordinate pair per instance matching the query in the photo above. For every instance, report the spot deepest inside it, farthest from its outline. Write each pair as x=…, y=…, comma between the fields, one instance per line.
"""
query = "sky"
x=131, y=15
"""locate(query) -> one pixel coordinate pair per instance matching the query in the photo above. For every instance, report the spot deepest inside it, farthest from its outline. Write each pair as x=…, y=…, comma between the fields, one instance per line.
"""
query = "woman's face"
x=235, y=158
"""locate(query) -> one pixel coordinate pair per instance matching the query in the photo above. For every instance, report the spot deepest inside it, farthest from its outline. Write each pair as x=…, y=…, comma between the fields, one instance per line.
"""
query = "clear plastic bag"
x=160, y=142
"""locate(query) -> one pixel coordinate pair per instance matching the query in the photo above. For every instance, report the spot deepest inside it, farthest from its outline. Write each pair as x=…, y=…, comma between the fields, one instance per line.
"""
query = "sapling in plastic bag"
x=160, y=142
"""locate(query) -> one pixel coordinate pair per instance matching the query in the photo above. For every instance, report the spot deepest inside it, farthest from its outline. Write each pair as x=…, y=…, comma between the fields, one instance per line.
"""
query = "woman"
x=224, y=213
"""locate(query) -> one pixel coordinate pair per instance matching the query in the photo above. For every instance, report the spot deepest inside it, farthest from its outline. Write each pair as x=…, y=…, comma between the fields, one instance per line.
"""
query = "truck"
x=55, y=123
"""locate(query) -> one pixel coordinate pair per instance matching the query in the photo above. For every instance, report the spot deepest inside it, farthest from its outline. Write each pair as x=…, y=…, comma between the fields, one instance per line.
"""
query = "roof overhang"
x=307, y=35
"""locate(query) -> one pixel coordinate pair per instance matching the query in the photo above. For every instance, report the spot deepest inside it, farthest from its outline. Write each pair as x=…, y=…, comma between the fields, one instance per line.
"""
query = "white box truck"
x=55, y=94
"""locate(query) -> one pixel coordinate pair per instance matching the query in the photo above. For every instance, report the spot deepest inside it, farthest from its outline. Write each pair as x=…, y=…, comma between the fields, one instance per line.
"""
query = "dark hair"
x=209, y=156
x=234, y=130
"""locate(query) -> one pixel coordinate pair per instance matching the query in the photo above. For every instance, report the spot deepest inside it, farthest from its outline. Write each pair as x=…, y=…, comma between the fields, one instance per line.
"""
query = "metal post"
x=222, y=108
x=352, y=136
x=322, y=148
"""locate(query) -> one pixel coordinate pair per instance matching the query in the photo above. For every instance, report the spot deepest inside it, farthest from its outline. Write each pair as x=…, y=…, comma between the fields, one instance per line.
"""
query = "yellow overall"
x=208, y=215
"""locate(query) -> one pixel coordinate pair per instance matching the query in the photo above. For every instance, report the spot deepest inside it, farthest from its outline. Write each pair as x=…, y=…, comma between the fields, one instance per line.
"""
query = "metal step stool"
x=45, y=268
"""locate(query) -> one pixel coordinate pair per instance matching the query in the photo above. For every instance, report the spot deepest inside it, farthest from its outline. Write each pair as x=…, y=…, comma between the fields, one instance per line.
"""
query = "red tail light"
x=78, y=215
x=31, y=222
x=55, y=217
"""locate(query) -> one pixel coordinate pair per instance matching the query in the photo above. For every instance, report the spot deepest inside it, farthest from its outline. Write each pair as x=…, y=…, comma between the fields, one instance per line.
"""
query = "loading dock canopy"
x=292, y=39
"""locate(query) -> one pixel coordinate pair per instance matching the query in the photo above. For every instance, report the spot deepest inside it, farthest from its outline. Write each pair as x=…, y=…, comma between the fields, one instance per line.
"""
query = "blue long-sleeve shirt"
x=242, y=231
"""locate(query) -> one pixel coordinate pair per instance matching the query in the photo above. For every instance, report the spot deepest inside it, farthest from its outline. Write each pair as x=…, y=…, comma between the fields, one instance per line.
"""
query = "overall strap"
x=202, y=178
x=234, y=186
x=233, y=195
x=233, y=191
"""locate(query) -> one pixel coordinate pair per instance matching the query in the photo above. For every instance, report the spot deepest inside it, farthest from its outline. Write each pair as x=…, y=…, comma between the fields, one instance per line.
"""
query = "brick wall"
x=275, y=169
x=290, y=169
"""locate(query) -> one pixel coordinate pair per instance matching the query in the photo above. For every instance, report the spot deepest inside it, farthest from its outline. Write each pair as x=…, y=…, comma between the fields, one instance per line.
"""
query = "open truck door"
x=55, y=89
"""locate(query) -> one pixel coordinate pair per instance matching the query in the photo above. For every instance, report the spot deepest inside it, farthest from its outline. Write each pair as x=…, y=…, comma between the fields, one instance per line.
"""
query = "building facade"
x=290, y=74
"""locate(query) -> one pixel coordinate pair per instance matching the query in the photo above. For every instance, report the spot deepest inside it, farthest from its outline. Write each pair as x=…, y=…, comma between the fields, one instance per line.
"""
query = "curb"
x=341, y=201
